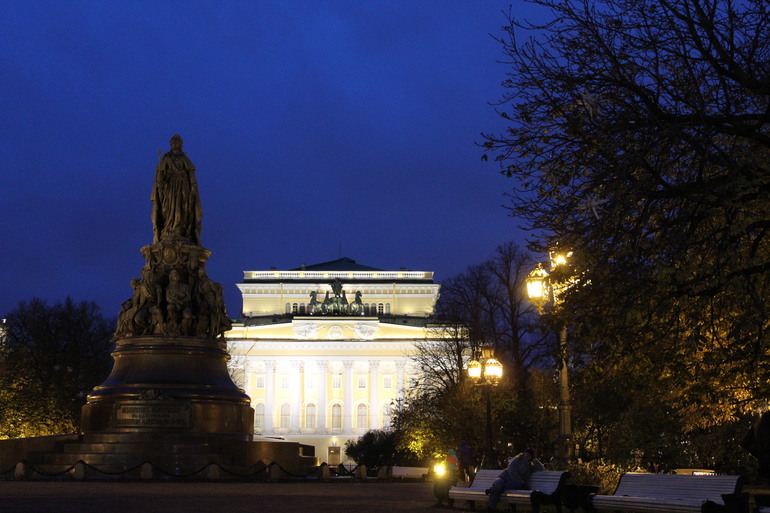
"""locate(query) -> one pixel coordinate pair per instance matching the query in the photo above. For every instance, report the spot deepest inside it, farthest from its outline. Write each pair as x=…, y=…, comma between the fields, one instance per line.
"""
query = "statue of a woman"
x=176, y=206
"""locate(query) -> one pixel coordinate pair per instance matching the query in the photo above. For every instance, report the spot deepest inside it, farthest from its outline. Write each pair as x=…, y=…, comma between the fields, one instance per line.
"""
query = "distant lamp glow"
x=438, y=469
x=486, y=373
x=560, y=258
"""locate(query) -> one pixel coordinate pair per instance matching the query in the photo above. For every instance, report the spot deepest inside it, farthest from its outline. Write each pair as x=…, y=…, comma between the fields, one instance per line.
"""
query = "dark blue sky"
x=319, y=130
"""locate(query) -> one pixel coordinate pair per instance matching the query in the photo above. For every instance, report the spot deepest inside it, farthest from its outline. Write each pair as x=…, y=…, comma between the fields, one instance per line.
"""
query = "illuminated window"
x=380, y=309
x=336, y=416
x=337, y=382
x=259, y=417
x=310, y=416
x=362, y=416
x=259, y=382
x=387, y=382
x=362, y=381
x=285, y=416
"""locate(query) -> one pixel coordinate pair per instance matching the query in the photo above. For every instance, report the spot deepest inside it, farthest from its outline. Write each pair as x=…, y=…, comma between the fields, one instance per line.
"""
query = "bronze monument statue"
x=176, y=205
x=169, y=402
x=174, y=297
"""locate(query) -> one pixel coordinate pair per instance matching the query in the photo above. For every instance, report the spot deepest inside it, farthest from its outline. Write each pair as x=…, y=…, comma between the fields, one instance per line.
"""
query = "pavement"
x=208, y=497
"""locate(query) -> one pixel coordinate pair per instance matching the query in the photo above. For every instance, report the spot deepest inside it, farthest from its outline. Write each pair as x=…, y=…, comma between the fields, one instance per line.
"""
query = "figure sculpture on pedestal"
x=169, y=344
x=174, y=297
x=176, y=205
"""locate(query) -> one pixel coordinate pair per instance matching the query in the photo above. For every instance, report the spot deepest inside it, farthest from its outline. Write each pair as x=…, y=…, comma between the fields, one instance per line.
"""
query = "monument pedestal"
x=162, y=384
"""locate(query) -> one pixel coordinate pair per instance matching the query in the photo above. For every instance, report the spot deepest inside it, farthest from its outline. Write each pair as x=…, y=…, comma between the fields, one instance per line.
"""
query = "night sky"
x=318, y=129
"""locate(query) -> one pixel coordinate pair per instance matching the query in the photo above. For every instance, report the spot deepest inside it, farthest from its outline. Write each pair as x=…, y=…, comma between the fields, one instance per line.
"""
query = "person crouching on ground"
x=514, y=477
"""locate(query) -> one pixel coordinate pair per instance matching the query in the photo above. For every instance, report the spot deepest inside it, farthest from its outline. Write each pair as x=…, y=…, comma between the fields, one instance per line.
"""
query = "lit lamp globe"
x=493, y=370
x=537, y=287
x=474, y=370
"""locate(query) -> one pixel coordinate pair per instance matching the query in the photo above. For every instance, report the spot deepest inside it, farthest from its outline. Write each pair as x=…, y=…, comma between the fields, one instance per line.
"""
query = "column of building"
x=374, y=394
x=347, y=411
x=323, y=383
x=269, y=395
x=401, y=385
x=296, y=407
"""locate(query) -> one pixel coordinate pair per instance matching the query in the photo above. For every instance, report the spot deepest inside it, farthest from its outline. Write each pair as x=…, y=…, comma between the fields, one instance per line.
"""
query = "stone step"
x=133, y=448
x=160, y=437
x=131, y=460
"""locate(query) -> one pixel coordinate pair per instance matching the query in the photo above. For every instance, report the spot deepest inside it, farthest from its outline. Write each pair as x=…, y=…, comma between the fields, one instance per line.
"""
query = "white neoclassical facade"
x=324, y=350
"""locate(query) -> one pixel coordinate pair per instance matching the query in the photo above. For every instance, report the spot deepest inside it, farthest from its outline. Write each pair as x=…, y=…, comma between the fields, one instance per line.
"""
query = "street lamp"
x=486, y=373
x=541, y=290
x=397, y=407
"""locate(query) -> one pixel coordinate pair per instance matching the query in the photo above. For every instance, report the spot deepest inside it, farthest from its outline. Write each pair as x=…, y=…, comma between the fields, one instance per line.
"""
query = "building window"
x=285, y=416
x=310, y=381
x=362, y=382
x=288, y=307
x=310, y=416
x=259, y=382
x=285, y=382
x=337, y=382
x=387, y=308
x=302, y=308
x=295, y=308
x=336, y=416
x=387, y=382
x=380, y=309
x=366, y=309
x=362, y=416
x=259, y=417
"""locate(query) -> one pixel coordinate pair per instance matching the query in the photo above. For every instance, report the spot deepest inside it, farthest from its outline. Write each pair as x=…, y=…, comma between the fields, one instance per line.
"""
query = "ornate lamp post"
x=486, y=373
x=541, y=291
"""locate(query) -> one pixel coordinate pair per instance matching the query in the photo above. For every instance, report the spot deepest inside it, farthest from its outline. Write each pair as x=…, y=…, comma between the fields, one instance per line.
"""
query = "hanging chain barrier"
x=28, y=471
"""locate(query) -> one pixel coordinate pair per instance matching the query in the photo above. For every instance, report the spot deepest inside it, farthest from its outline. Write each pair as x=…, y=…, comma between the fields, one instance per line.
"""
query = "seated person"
x=514, y=477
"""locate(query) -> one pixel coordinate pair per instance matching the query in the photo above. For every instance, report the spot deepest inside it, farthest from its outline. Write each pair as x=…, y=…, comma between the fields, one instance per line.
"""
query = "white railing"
x=316, y=275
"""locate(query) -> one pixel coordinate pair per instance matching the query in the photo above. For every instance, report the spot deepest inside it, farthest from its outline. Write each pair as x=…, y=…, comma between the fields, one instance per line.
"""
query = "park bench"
x=542, y=488
x=656, y=493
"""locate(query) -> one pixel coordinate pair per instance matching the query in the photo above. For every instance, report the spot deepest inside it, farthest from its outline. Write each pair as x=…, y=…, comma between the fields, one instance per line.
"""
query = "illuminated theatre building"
x=324, y=350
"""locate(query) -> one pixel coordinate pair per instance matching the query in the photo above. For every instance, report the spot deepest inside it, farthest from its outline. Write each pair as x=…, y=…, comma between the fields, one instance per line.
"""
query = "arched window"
x=259, y=417
x=387, y=308
x=362, y=416
x=366, y=309
x=285, y=416
x=288, y=307
x=336, y=416
x=310, y=416
x=302, y=308
x=380, y=309
x=295, y=308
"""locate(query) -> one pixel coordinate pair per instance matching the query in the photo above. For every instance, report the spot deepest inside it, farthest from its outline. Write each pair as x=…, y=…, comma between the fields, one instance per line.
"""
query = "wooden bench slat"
x=654, y=493
x=548, y=483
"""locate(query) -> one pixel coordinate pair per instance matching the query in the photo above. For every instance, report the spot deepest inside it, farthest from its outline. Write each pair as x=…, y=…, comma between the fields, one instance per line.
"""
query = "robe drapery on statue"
x=176, y=205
